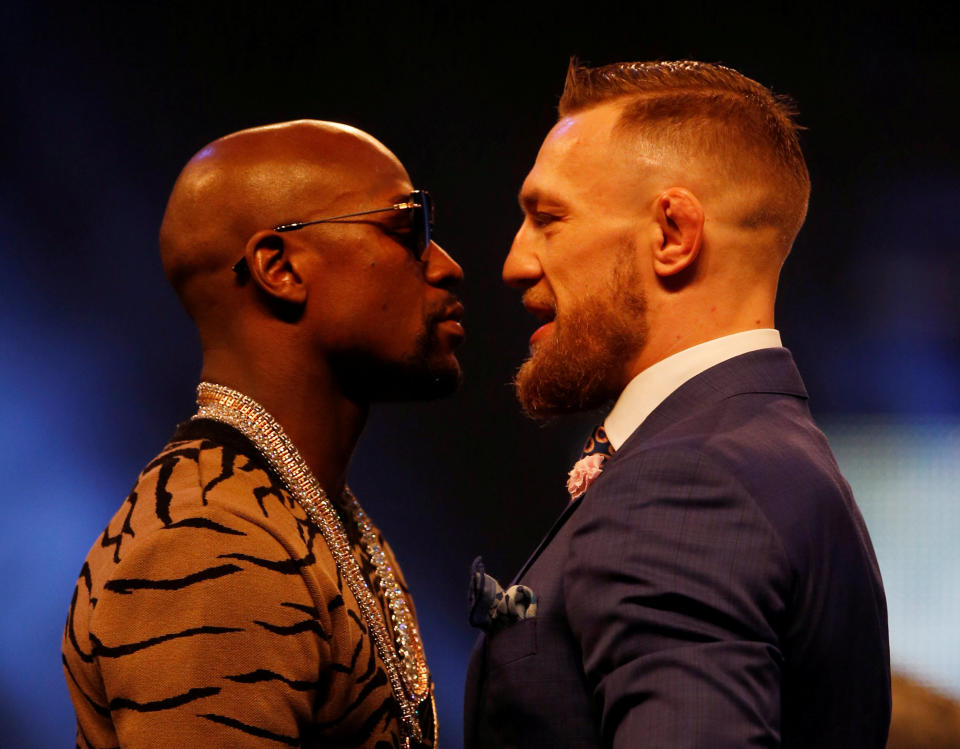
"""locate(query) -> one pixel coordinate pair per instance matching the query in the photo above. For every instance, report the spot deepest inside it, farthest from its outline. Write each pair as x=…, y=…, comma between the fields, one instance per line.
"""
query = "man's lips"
x=541, y=332
x=449, y=321
x=545, y=312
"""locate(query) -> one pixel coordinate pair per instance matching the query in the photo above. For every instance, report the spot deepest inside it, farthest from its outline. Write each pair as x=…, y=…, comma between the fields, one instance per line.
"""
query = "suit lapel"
x=557, y=524
x=764, y=371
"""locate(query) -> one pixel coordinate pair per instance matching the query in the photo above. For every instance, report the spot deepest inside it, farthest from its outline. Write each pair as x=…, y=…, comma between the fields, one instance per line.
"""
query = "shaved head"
x=348, y=306
x=252, y=180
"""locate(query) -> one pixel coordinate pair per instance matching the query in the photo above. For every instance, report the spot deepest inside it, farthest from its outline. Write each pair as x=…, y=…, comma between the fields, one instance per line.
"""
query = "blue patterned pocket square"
x=491, y=606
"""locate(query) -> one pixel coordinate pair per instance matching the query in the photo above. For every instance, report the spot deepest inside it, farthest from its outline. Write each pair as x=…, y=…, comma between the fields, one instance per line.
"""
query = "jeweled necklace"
x=407, y=665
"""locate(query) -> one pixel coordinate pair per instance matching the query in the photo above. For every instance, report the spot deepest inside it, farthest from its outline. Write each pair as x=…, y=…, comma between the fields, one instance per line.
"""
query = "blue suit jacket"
x=715, y=587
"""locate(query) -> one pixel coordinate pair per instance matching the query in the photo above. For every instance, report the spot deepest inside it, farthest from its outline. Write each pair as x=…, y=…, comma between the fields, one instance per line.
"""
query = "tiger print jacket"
x=210, y=613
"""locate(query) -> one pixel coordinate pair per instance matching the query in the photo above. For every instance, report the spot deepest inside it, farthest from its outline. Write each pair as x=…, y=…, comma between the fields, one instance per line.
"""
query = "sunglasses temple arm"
x=300, y=224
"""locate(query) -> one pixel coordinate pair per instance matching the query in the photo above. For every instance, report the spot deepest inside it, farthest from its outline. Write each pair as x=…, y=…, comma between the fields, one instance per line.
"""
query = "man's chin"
x=554, y=386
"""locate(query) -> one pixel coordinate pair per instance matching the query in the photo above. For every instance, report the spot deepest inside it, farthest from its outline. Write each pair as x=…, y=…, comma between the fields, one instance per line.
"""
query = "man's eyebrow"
x=531, y=199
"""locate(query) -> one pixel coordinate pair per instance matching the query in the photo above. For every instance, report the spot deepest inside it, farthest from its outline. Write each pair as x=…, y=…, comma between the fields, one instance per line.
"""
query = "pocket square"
x=491, y=606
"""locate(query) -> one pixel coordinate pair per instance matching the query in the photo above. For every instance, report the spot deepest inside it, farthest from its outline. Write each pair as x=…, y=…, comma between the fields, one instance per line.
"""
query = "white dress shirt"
x=653, y=385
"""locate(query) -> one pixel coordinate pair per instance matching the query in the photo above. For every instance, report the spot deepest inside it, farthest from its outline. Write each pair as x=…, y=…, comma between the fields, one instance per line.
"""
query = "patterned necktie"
x=598, y=442
x=595, y=453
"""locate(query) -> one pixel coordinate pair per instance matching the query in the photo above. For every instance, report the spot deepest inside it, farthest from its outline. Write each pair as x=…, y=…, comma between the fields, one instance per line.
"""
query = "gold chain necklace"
x=407, y=664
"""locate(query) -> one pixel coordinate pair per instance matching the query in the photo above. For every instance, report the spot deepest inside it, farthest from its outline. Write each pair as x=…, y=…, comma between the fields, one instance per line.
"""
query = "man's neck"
x=322, y=423
x=680, y=326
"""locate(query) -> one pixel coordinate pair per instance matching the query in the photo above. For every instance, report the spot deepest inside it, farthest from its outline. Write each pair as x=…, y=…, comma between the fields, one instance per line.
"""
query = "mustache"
x=449, y=309
x=539, y=298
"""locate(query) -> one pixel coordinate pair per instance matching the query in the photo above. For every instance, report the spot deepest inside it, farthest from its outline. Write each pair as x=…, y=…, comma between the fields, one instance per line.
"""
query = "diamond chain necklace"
x=407, y=665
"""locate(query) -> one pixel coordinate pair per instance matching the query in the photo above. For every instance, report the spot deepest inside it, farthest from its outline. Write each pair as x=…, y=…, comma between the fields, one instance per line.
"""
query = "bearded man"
x=241, y=597
x=711, y=582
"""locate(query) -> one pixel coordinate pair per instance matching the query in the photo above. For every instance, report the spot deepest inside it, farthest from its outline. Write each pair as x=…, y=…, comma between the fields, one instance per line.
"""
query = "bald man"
x=240, y=597
x=710, y=583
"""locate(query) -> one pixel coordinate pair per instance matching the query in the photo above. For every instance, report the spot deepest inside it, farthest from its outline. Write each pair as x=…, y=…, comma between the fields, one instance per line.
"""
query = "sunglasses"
x=419, y=209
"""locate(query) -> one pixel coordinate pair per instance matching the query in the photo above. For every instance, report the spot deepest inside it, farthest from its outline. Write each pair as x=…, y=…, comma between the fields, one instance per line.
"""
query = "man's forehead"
x=588, y=128
x=576, y=154
x=347, y=183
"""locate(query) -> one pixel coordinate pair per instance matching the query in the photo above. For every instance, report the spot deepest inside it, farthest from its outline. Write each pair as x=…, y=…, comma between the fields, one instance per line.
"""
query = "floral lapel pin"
x=491, y=606
x=584, y=473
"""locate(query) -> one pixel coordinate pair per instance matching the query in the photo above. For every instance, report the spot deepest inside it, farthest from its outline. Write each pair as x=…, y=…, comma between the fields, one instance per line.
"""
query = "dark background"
x=102, y=103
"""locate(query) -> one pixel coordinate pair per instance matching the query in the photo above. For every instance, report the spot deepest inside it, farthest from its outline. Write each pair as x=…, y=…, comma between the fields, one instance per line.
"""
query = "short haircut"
x=708, y=113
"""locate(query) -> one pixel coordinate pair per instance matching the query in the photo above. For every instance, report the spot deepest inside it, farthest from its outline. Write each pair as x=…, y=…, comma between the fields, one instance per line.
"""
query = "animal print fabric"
x=210, y=613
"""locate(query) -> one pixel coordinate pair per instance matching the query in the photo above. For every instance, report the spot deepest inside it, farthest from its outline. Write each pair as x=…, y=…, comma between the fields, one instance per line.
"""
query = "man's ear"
x=273, y=269
x=680, y=216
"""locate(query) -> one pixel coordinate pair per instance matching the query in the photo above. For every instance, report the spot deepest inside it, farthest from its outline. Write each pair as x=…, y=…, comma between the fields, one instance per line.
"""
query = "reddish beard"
x=581, y=365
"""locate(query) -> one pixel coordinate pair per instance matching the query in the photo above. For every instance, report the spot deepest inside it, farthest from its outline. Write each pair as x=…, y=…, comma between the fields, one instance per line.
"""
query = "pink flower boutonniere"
x=583, y=473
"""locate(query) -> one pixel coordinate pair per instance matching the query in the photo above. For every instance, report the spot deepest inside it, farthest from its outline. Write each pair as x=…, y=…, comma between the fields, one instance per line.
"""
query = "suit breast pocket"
x=512, y=643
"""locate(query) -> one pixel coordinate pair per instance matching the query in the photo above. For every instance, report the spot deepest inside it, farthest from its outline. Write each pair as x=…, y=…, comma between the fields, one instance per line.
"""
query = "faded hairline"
x=706, y=112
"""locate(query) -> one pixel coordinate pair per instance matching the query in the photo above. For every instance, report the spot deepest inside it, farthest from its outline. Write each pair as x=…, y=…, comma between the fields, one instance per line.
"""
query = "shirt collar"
x=653, y=385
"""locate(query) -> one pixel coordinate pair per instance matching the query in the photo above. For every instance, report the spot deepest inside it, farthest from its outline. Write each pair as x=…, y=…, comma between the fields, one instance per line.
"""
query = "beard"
x=581, y=365
x=424, y=374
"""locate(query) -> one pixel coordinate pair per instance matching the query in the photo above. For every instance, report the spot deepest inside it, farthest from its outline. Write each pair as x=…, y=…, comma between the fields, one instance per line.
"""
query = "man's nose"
x=522, y=268
x=442, y=270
